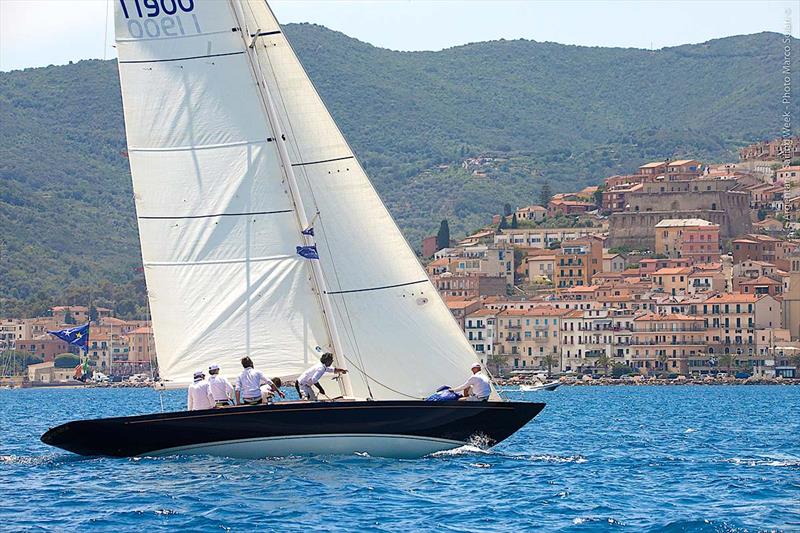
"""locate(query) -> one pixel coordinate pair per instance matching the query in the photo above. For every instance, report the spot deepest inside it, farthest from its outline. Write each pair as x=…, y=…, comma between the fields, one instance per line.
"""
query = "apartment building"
x=529, y=338
x=667, y=343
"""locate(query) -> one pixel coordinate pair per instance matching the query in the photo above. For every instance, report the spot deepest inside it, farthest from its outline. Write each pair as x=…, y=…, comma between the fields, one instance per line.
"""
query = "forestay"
x=217, y=227
x=399, y=338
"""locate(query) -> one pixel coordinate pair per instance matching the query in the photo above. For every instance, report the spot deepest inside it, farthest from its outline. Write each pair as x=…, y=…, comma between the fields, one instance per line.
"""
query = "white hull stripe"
x=377, y=445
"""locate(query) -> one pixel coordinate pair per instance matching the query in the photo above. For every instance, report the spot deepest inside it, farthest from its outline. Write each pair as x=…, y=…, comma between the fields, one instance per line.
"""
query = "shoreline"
x=642, y=381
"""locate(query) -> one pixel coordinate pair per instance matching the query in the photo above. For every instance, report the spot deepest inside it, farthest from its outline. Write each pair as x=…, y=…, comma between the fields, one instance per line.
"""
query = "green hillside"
x=567, y=115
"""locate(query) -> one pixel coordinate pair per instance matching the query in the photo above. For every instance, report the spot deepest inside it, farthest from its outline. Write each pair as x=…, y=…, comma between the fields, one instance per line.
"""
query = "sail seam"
x=172, y=38
x=379, y=288
x=323, y=161
x=215, y=215
x=219, y=261
x=182, y=58
x=198, y=147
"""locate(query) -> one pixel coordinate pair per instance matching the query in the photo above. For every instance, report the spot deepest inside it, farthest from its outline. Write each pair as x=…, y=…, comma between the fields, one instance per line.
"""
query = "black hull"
x=387, y=428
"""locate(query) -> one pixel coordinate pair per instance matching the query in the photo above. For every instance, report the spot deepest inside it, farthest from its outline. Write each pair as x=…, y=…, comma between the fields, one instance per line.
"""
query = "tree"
x=93, y=313
x=503, y=223
x=550, y=360
x=603, y=362
x=662, y=358
x=545, y=194
x=598, y=196
x=443, y=237
x=68, y=318
x=762, y=214
x=514, y=222
x=507, y=210
x=726, y=361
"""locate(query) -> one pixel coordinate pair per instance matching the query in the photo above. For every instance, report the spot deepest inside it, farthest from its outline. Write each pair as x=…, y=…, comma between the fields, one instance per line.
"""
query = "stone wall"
x=712, y=200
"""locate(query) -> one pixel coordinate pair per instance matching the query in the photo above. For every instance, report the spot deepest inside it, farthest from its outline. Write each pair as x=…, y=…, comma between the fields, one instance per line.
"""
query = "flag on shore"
x=77, y=336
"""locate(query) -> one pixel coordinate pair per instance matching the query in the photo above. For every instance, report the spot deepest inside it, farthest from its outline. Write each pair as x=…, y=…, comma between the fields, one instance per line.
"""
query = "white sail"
x=399, y=339
x=217, y=226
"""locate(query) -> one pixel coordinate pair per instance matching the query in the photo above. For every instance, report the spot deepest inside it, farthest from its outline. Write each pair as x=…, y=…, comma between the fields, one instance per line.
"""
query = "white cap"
x=213, y=367
x=199, y=374
x=476, y=365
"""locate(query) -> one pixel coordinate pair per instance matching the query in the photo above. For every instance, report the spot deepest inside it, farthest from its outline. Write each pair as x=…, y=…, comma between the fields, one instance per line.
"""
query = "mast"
x=318, y=277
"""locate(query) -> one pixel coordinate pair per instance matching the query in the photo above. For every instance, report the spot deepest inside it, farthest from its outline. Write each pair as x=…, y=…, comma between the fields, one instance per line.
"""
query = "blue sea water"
x=718, y=458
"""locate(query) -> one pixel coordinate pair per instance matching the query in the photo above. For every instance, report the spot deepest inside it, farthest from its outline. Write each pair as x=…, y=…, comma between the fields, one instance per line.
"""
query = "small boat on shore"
x=553, y=385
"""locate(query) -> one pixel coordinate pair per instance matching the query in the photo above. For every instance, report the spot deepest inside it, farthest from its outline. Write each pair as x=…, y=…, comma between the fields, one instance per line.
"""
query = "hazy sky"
x=43, y=32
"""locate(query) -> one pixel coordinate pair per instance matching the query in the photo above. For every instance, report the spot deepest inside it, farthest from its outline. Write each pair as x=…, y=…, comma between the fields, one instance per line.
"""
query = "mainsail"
x=210, y=88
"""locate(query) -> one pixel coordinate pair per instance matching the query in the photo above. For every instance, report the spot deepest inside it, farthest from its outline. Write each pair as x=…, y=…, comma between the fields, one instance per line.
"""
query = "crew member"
x=221, y=389
x=248, y=384
x=310, y=378
x=477, y=387
x=270, y=389
x=199, y=393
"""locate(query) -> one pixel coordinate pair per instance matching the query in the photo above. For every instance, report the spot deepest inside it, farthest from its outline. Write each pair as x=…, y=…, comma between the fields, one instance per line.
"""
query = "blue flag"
x=308, y=231
x=77, y=336
x=309, y=252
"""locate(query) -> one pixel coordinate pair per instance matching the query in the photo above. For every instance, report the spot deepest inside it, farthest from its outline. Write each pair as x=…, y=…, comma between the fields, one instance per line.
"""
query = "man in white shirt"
x=221, y=389
x=199, y=393
x=270, y=389
x=310, y=378
x=248, y=384
x=477, y=387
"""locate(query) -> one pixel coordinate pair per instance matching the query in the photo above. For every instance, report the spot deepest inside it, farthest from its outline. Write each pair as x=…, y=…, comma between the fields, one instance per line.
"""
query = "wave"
x=763, y=461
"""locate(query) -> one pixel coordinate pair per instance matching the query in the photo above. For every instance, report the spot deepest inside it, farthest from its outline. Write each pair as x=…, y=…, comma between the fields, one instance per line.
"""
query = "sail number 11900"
x=154, y=8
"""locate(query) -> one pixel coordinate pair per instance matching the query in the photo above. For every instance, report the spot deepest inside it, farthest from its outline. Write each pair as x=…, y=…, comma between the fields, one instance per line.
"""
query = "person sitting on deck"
x=248, y=384
x=270, y=389
x=476, y=388
x=199, y=393
x=221, y=389
x=310, y=378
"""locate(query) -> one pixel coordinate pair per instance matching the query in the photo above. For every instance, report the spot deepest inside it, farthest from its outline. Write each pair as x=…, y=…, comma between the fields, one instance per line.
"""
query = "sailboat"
x=261, y=235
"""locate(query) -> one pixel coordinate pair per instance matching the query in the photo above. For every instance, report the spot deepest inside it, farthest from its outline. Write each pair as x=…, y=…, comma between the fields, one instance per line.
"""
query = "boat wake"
x=763, y=461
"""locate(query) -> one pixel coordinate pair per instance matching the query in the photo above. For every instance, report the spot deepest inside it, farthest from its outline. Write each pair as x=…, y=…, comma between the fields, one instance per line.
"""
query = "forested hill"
x=568, y=115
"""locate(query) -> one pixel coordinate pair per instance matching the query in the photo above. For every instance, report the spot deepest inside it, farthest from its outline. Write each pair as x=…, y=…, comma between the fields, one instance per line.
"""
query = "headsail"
x=399, y=338
x=217, y=227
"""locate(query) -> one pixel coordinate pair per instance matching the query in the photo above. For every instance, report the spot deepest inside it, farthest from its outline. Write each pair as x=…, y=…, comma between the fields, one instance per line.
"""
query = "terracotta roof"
x=672, y=270
x=733, y=298
x=146, y=330
x=460, y=304
x=761, y=280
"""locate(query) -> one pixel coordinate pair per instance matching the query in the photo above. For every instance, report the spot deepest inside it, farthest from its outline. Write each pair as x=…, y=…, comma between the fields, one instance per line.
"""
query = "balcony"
x=512, y=339
x=510, y=326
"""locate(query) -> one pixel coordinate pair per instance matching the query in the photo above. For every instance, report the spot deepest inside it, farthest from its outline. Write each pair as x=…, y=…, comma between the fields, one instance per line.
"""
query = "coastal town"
x=682, y=269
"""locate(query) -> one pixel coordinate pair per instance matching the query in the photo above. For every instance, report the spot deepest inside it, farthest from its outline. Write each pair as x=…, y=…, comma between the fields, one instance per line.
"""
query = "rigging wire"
x=105, y=38
x=350, y=331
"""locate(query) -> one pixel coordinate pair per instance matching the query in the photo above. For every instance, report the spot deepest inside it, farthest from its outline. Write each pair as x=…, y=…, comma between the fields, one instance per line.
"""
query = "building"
x=692, y=238
x=45, y=347
x=461, y=308
x=543, y=237
x=776, y=150
x=429, y=246
x=48, y=373
x=672, y=281
x=613, y=262
x=556, y=207
x=470, y=286
x=479, y=327
x=791, y=297
x=715, y=200
x=10, y=331
x=540, y=265
x=754, y=247
x=529, y=338
x=587, y=337
x=615, y=197
x=577, y=261
x=733, y=322
x=532, y=213
x=670, y=343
